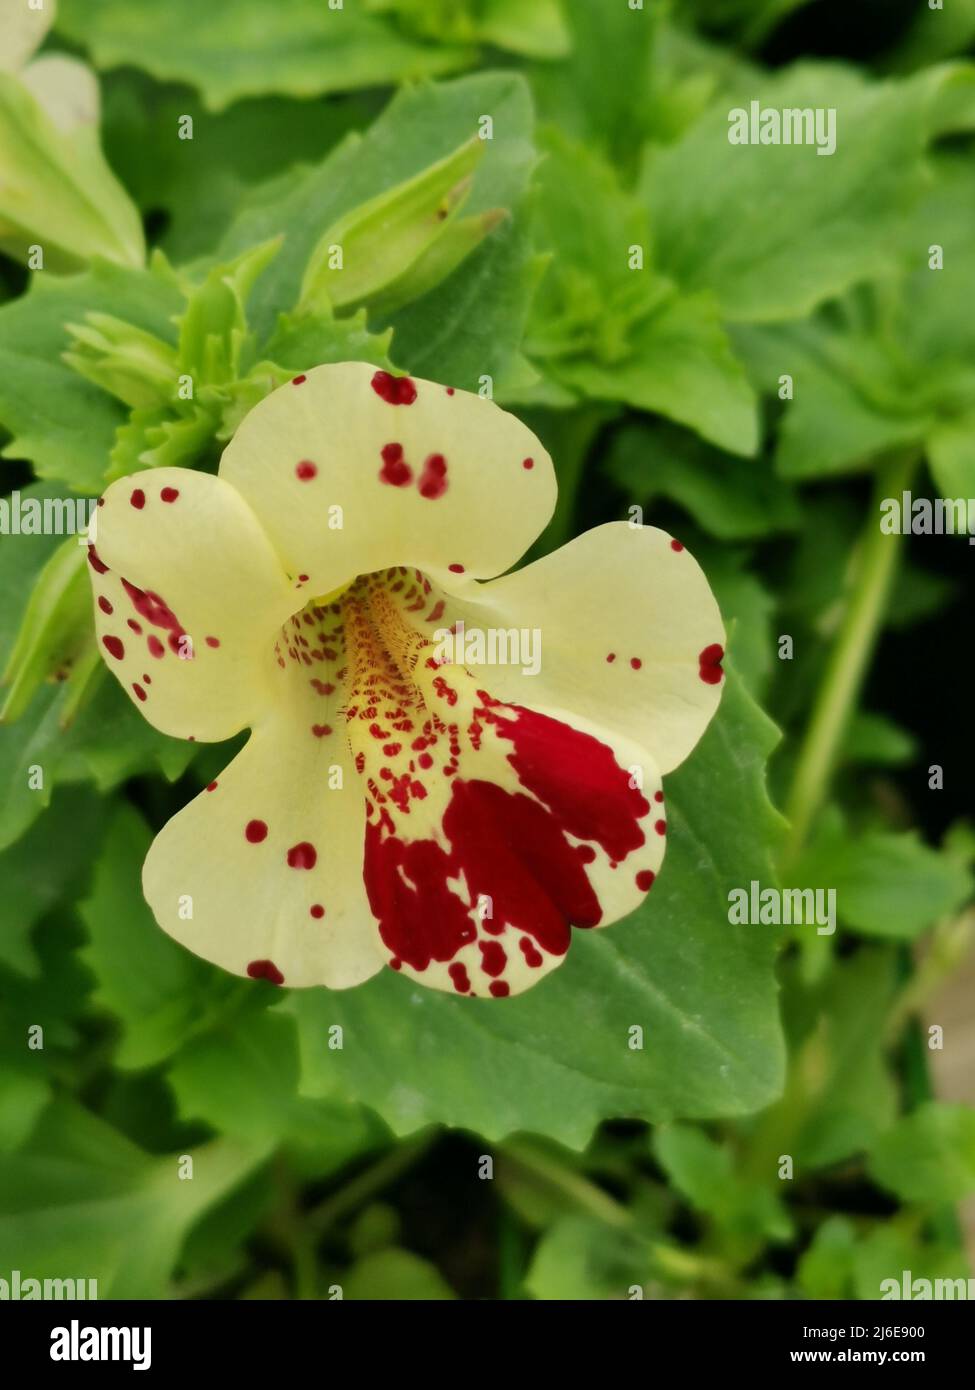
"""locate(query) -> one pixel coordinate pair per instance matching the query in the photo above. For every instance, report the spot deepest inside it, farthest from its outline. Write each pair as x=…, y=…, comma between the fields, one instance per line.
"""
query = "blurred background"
x=753, y=344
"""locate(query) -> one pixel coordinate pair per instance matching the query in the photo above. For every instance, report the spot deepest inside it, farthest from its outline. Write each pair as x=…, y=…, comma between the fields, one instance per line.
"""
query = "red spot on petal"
x=456, y=569
x=104, y=605
x=635, y=662
x=532, y=956
x=114, y=647
x=660, y=826
x=213, y=641
x=610, y=657
x=528, y=463
x=265, y=970
x=297, y=380
x=211, y=786
x=710, y=664
x=316, y=910
x=658, y=796
x=458, y=973
x=394, y=390
x=676, y=545
x=395, y=470
x=255, y=831
x=450, y=390
x=136, y=627
x=140, y=693
x=138, y=499
x=96, y=563
x=321, y=730
x=306, y=470
x=644, y=880
x=493, y=958
x=500, y=989
x=156, y=648
x=169, y=494
x=433, y=480
x=302, y=856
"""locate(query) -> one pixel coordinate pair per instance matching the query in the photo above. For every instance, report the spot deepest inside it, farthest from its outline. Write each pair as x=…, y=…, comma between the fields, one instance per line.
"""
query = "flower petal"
x=492, y=829
x=352, y=470
x=629, y=636
x=269, y=859
x=188, y=598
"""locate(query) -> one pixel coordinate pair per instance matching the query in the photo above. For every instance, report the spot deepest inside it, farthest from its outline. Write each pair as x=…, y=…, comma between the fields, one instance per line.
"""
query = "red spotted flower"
x=450, y=818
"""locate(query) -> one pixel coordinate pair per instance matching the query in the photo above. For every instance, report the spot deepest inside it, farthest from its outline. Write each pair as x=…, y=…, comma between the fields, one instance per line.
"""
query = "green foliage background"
x=613, y=1167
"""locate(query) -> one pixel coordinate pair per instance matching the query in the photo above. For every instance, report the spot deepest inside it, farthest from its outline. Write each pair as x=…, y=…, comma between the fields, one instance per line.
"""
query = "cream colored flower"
x=451, y=820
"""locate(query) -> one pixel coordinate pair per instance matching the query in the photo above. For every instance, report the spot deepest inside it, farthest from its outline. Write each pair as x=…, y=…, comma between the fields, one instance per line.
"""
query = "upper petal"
x=188, y=597
x=627, y=633
x=351, y=470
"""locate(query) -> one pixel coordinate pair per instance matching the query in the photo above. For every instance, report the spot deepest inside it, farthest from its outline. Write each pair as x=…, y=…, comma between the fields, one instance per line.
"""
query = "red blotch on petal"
x=265, y=970
x=298, y=380
x=138, y=499
x=316, y=910
x=213, y=641
x=710, y=664
x=433, y=481
x=676, y=545
x=644, y=880
x=169, y=494
x=528, y=463
x=500, y=989
x=140, y=693
x=104, y=605
x=394, y=390
x=255, y=831
x=302, y=856
x=306, y=470
x=114, y=647
x=395, y=470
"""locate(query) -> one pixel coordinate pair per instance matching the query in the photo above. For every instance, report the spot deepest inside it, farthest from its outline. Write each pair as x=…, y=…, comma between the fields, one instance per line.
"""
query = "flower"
x=393, y=807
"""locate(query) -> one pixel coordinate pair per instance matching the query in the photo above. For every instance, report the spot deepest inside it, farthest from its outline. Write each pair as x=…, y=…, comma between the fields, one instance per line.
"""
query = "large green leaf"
x=80, y=1201
x=774, y=230
x=929, y=1155
x=557, y=1059
x=60, y=422
x=244, y=48
x=471, y=324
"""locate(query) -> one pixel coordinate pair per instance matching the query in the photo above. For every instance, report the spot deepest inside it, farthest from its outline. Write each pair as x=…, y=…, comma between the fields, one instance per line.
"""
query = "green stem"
x=369, y=1182
x=879, y=553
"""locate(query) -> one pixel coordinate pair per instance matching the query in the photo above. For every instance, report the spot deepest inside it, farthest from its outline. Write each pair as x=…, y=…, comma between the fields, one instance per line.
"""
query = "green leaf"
x=196, y=185
x=61, y=423
x=590, y=95
x=887, y=884
x=704, y=1172
x=55, y=629
x=826, y=1267
x=557, y=1060
x=241, y=1078
x=242, y=49
x=873, y=738
x=841, y=1087
x=928, y=1156
x=57, y=192
x=395, y=1275
x=731, y=498
x=774, y=230
x=605, y=324
x=472, y=323
x=36, y=875
x=381, y=239
x=158, y=992
x=581, y=1258
x=73, y=1198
